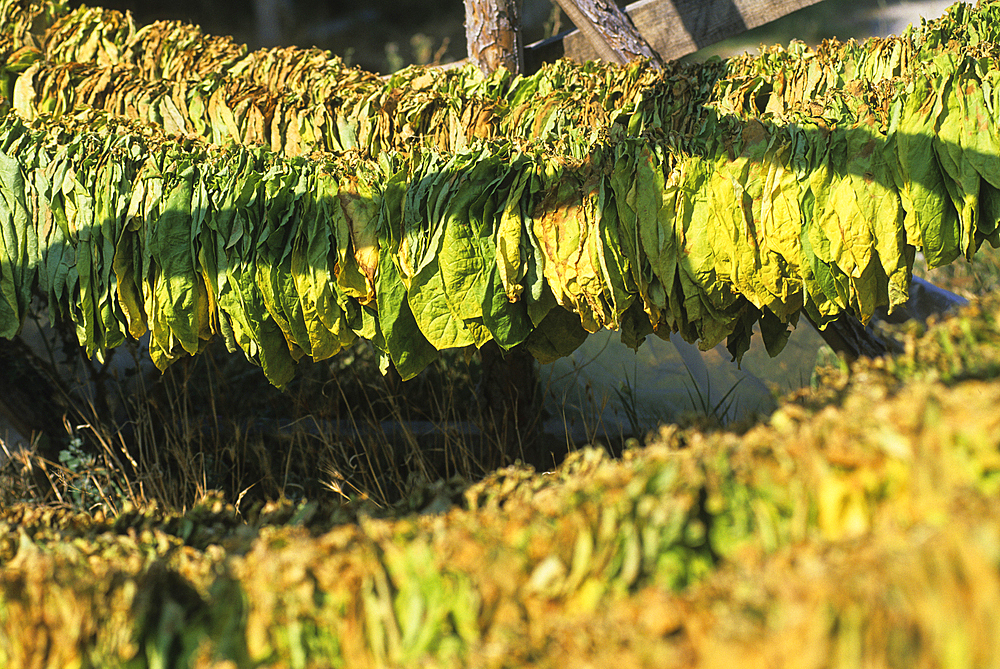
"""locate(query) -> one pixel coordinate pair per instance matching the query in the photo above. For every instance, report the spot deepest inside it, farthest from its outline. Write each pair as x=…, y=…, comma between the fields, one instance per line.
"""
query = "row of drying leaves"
x=857, y=524
x=158, y=179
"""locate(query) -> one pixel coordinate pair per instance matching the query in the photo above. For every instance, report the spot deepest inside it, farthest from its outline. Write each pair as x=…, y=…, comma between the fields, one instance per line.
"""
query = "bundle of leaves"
x=160, y=180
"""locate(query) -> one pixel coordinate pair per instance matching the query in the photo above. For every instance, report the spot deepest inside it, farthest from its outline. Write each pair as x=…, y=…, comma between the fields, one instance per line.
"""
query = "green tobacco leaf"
x=314, y=284
x=171, y=243
x=961, y=178
x=109, y=210
x=55, y=255
x=635, y=326
x=285, y=187
x=129, y=294
x=253, y=328
x=705, y=295
x=221, y=241
x=18, y=244
x=277, y=288
x=59, y=253
x=407, y=347
x=466, y=254
x=827, y=285
x=80, y=208
x=774, y=331
x=430, y=184
x=355, y=215
x=558, y=335
x=508, y=322
x=840, y=211
x=677, y=200
x=562, y=225
x=622, y=185
x=512, y=250
x=977, y=98
x=989, y=219
x=655, y=202
x=432, y=311
x=424, y=223
x=773, y=186
x=538, y=295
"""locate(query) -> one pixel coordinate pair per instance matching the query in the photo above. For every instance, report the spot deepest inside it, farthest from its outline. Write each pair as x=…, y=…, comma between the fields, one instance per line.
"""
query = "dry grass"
x=212, y=425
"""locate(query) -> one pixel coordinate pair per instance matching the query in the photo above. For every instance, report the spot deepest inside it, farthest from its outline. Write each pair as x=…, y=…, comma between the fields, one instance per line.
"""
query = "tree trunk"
x=493, y=34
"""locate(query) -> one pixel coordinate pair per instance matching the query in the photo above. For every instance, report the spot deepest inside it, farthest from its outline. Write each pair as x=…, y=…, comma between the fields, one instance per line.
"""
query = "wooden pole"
x=508, y=390
x=673, y=28
x=608, y=30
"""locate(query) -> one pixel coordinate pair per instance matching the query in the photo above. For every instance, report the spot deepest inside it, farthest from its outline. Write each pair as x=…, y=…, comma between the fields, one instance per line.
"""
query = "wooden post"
x=609, y=30
x=508, y=390
x=493, y=34
x=673, y=28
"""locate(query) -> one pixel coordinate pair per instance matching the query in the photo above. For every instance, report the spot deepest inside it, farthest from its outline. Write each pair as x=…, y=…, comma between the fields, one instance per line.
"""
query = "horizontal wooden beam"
x=674, y=28
x=608, y=30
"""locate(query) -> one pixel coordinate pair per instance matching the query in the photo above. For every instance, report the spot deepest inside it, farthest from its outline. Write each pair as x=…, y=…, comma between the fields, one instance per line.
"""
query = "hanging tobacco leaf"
x=154, y=178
